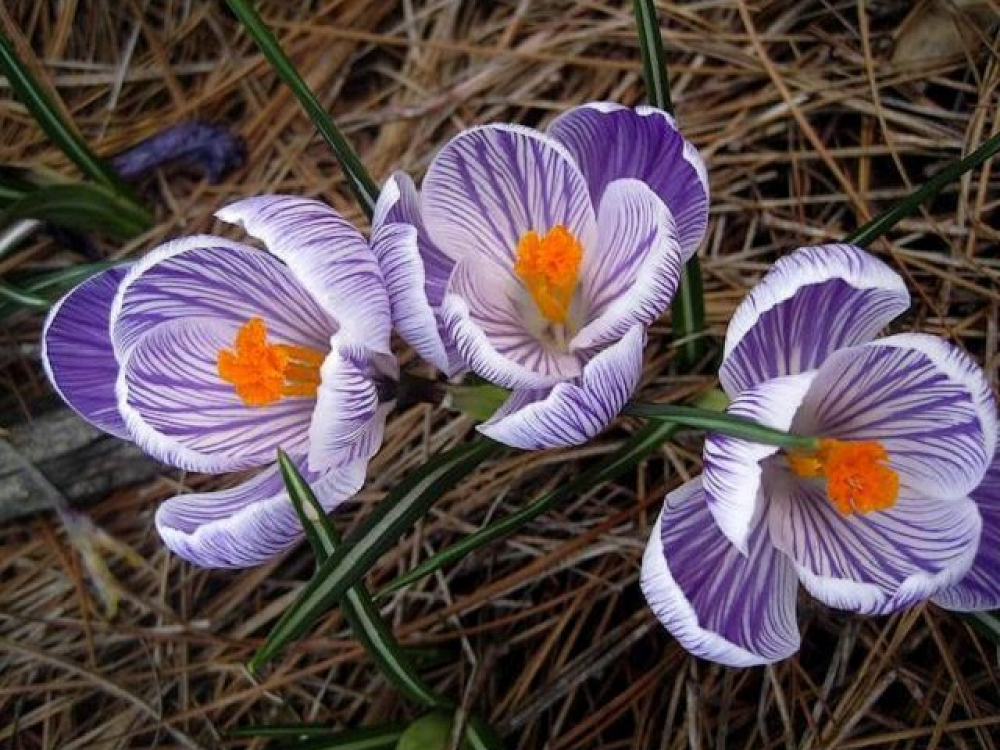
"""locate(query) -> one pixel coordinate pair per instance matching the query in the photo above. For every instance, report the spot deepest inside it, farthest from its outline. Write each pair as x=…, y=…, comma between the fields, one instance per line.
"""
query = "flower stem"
x=725, y=424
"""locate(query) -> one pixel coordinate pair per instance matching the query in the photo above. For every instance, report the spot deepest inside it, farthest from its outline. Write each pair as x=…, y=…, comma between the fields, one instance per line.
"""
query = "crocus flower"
x=538, y=260
x=877, y=518
x=210, y=355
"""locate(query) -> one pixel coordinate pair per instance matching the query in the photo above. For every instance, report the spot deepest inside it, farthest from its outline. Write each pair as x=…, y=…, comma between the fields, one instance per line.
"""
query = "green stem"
x=720, y=422
x=362, y=185
x=872, y=230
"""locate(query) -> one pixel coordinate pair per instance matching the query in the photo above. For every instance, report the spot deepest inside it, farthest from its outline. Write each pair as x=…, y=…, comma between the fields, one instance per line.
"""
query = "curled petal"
x=719, y=603
x=179, y=410
x=572, y=413
x=610, y=142
x=633, y=272
x=732, y=467
x=215, y=280
x=811, y=303
x=327, y=255
x=350, y=415
x=77, y=352
x=399, y=203
x=879, y=562
x=925, y=401
x=248, y=524
x=979, y=589
x=482, y=320
x=490, y=185
x=396, y=247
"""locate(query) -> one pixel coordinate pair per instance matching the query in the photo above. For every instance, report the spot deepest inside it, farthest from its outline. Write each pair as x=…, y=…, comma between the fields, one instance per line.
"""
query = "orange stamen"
x=857, y=477
x=262, y=373
x=549, y=266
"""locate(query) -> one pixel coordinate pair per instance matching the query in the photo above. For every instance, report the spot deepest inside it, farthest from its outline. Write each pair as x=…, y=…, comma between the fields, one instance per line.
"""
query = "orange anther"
x=262, y=373
x=858, y=479
x=549, y=266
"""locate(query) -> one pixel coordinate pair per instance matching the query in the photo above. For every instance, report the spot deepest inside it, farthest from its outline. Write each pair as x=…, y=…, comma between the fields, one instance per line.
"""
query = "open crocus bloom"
x=878, y=517
x=211, y=355
x=538, y=261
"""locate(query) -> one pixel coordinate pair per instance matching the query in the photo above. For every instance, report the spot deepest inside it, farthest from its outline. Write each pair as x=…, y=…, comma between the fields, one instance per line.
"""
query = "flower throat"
x=858, y=479
x=549, y=267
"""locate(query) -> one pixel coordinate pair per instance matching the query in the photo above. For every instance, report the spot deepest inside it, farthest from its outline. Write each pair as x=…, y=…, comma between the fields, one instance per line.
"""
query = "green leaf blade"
x=394, y=516
x=40, y=105
x=635, y=449
x=362, y=185
x=83, y=207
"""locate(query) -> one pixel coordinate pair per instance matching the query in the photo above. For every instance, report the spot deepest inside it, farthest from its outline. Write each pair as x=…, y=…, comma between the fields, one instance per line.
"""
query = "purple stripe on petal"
x=732, y=468
x=610, y=142
x=979, y=589
x=485, y=320
x=811, y=303
x=395, y=246
x=572, y=413
x=251, y=523
x=77, y=352
x=490, y=185
x=327, y=255
x=876, y=563
x=349, y=419
x=213, y=279
x=927, y=402
x=630, y=276
x=399, y=203
x=720, y=604
x=179, y=410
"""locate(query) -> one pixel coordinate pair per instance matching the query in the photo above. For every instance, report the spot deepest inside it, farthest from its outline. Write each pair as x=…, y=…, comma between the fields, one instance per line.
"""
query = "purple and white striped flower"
x=538, y=260
x=211, y=354
x=885, y=512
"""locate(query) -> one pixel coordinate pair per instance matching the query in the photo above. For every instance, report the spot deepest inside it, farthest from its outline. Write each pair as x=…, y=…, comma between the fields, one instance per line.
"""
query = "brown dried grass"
x=807, y=128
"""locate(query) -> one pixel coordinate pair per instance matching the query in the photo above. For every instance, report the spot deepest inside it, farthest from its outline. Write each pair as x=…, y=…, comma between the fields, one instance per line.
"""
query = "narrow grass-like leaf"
x=885, y=221
x=720, y=422
x=394, y=516
x=40, y=291
x=687, y=313
x=636, y=448
x=14, y=297
x=362, y=615
x=320, y=737
x=362, y=185
x=38, y=102
x=82, y=207
x=986, y=622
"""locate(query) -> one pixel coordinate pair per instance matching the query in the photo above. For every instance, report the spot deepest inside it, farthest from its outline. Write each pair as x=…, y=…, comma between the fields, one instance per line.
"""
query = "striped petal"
x=610, y=142
x=632, y=274
x=399, y=203
x=572, y=413
x=927, y=402
x=328, y=257
x=719, y=603
x=179, y=410
x=350, y=414
x=979, y=589
x=732, y=467
x=490, y=185
x=811, y=303
x=249, y=524
x=77, y=352
x=876, y=563
x=485, y=318
x=215, y=280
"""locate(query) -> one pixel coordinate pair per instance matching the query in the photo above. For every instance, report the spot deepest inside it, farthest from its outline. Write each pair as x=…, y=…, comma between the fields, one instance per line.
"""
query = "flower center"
x=549, y=266
x=262, y=373
x=857, y=477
